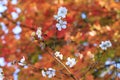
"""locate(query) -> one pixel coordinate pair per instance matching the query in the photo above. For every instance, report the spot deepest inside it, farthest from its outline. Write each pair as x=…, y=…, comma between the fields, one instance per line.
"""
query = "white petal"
x=64, y=22
x=21, y=64
x=64, y=26
x=104, y=48
x=50, y=68
x=50, y=76
x=43, y=73
x=58, y=25
x=22, y=60
x=62, y=11
x=59, y=29
x=61, y=56
x=68, y=58
x=53, y=74
x=70, y=62
x=57, y=53
x=67, y=63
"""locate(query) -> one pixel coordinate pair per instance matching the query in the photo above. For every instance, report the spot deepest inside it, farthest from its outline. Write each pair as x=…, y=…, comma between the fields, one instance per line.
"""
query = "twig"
x=63, y=66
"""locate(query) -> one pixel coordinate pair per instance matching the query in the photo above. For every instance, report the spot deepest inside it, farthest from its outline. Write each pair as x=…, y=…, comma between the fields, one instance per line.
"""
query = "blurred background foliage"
x=89, y=23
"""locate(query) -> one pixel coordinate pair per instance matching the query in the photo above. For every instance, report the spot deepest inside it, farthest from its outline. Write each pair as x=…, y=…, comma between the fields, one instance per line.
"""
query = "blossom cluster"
x=57, y=54
x=62, y=11
x=70, y=61
x=105, y=44
x=61, y=24
x=51, y=72
x=48, y=73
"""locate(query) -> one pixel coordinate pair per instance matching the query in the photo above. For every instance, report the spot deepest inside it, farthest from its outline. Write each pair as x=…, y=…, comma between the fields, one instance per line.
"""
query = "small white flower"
x=21, y=62
x=105, y=44
x=70, y=62
x=49, y=73
x=108, y=43
x=39, y=33
x=62, y=11
x=61, y=24
x=57, y=54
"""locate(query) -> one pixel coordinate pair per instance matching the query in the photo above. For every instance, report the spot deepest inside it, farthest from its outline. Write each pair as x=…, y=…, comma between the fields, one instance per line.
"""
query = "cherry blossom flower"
x=1, y=74
x=48, y=73
x=61, y=24
x=57, y=54
x=70, y=62
x=105, y=44
x=39, y=33
x=22, y=61
x=62, y=11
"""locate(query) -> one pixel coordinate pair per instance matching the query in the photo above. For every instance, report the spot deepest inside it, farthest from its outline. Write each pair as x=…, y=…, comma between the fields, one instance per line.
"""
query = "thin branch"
x=63, y=66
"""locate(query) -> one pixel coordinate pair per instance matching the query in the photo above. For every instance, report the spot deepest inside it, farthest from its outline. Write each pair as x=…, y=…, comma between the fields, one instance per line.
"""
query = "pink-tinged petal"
x=64, y=26
x=57, y=25
x=65, y=22
x=59, y=29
